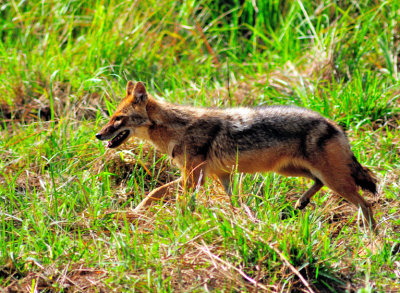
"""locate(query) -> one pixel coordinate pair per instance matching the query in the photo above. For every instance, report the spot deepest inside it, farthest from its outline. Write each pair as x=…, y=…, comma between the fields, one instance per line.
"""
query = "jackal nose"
x=98, y=136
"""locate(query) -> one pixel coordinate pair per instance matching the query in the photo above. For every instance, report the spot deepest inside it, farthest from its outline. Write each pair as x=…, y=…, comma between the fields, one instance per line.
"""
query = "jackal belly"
x=255, y=160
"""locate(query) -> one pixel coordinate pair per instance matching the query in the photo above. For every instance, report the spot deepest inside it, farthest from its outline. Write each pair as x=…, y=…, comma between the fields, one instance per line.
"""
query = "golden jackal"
x=213, y=142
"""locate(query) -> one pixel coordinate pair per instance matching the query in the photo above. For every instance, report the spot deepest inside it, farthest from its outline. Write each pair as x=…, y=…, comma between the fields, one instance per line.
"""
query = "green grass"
x=66, y=220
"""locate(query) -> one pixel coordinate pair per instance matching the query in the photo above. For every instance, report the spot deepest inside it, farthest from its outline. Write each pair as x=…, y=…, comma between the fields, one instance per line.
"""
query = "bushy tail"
x=363, y=176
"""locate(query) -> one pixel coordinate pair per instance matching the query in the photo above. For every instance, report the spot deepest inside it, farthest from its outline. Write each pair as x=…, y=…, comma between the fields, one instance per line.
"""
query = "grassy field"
x=66, y=202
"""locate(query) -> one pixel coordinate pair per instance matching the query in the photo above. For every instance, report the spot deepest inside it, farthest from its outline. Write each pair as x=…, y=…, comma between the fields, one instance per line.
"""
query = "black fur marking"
x=275, y=130
x=173, y=153
x=362, y=176
x=200, y=135
x=331, y=131
x=303, y=146
x=153, y=125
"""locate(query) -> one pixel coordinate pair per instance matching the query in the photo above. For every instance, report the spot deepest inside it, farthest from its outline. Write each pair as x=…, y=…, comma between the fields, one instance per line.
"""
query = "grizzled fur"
x=214, y=142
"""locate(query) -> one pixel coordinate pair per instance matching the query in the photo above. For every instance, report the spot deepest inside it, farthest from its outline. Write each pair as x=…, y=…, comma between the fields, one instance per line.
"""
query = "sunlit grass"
x=66, y=202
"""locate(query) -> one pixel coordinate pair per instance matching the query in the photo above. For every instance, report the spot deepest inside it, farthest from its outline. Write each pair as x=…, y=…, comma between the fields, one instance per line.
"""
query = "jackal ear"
x=129, y=88
x=139, y=93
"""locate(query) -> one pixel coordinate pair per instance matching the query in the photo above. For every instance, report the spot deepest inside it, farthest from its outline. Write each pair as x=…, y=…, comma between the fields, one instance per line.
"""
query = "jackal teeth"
x=118, y=139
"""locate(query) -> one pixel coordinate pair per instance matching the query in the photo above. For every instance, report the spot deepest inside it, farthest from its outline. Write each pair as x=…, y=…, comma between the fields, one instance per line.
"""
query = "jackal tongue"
x=118, y=139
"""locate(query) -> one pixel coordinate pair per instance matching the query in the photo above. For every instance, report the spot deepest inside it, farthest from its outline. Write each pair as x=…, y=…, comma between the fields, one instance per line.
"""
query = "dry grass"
x=71, y=278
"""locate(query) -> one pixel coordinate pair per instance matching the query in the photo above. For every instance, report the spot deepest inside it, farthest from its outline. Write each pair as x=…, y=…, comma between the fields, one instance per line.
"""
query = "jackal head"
x=130, y=117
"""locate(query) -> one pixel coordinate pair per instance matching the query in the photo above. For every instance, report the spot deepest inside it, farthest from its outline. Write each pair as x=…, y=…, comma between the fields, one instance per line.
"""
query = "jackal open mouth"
x=118, y=139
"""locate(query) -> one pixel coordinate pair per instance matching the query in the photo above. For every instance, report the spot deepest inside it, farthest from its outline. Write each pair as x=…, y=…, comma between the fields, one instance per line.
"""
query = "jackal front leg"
x=227, y=183
x=192, y=176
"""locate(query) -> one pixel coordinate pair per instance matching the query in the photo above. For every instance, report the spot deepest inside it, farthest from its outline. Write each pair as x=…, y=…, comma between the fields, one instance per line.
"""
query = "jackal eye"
x=118, y=118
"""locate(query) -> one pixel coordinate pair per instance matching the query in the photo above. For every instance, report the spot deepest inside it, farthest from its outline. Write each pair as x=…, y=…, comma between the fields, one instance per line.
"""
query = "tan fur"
x=214, y=142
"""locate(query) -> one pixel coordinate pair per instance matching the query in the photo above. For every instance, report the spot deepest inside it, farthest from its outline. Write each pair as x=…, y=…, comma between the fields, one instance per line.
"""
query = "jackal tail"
x=363, y=177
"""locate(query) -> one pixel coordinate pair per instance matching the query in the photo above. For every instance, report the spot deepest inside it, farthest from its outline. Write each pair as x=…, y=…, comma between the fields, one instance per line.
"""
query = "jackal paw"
x=302, y=203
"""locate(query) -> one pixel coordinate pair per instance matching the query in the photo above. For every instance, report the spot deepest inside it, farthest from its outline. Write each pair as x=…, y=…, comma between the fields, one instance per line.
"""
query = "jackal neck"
x=168, y=122
x=170, y=115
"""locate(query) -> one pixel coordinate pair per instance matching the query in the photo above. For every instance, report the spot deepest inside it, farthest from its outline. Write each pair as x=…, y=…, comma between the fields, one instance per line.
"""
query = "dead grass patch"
x=29, y=105
x=71, y=278
x=314, y=69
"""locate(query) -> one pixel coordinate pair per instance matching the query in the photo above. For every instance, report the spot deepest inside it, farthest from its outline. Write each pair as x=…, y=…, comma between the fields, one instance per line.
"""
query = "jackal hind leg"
x=346, y=187
x=337, y=175
x=304, y=200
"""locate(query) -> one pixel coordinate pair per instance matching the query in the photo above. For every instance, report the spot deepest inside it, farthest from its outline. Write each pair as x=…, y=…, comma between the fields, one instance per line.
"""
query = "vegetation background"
x=66, y=221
